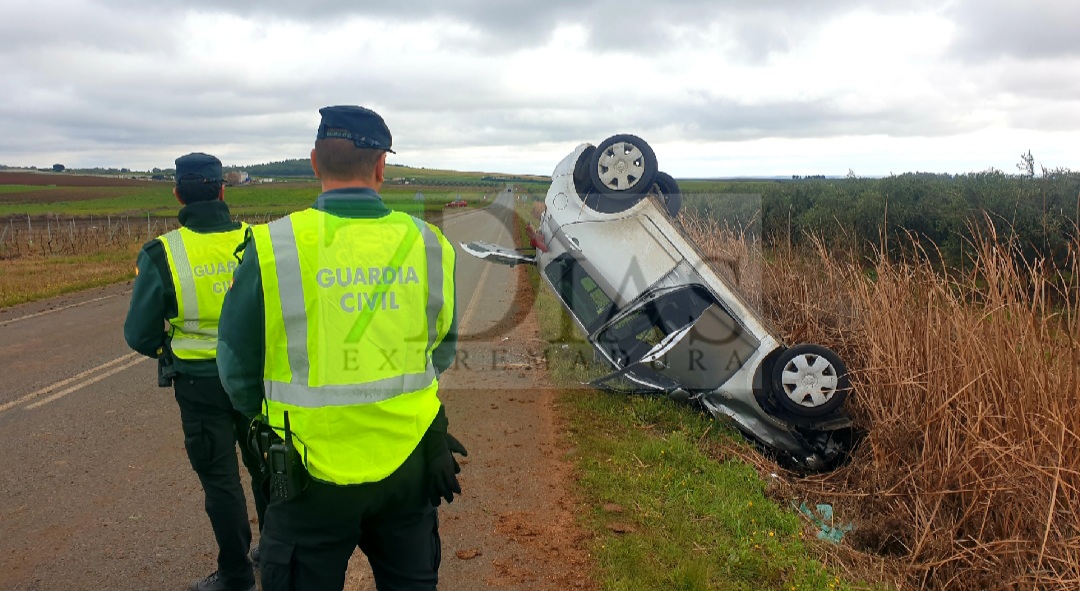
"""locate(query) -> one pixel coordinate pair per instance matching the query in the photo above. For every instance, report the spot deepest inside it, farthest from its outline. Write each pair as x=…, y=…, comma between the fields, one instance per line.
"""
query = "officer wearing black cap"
x=181, y=280
x=339, y=323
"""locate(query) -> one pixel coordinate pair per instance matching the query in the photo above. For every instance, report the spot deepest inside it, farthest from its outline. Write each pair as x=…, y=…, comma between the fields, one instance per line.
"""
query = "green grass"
x=274, y=199
x=689, y=521
x=23, y=188
x=670, y=506
x=102, y=201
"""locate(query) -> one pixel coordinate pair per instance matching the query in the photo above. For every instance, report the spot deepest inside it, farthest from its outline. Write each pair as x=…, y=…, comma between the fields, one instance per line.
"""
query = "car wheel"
x=810, y=380
x=622, y=167
x=670, y=190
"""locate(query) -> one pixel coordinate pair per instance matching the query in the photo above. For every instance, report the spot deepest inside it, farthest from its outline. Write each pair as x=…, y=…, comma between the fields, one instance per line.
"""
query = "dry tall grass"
x=46, y=256
x=968, y=389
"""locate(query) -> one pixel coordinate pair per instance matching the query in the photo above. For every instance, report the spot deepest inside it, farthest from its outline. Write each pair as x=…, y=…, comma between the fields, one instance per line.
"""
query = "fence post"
x=148, y=226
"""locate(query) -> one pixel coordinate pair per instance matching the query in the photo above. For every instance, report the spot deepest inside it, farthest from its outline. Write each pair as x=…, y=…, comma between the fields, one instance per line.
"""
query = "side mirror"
x=498, y=254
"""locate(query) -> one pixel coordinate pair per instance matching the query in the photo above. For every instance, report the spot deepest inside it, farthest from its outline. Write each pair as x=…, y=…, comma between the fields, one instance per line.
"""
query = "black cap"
x=198, y=167
x=363, y=126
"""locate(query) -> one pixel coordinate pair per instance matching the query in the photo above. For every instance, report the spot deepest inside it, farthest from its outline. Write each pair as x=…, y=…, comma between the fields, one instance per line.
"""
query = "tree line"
x=939, y=212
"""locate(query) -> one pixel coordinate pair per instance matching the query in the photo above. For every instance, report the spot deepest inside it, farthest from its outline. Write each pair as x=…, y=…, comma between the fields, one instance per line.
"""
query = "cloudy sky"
x=717, y=87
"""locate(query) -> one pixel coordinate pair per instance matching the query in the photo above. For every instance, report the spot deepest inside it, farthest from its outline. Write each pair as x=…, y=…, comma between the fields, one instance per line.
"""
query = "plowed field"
x=64, y=187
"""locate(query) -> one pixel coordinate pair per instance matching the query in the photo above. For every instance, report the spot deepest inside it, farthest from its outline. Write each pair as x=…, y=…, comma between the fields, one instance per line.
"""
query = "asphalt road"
x=95, y=488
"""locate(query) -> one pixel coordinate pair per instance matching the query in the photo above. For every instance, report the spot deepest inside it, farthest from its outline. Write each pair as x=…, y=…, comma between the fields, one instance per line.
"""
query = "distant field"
x=436, y=176
x=86, y=230
x=40, y=194
x=68, y=195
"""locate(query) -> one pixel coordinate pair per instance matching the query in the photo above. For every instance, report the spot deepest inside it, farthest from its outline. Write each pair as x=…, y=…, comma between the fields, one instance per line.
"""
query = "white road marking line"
x=35, y=315
x=62, y=383
x=92, y=380
x=470, y=309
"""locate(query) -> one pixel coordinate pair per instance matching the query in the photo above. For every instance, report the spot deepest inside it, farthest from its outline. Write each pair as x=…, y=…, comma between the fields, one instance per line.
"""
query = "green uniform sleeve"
x=242, y=336
x=446, y=351
x=144, y=328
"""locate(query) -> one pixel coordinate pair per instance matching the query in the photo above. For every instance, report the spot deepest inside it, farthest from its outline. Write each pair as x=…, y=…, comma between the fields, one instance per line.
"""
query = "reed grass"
x=968, y=476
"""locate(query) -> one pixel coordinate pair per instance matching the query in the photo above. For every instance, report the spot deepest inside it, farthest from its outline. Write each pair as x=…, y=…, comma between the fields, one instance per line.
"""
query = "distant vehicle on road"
x=663, y=319
x=458, y=203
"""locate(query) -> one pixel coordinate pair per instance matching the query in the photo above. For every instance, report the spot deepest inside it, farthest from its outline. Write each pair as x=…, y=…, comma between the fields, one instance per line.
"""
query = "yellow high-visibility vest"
x=202, y=266
x=353, y=310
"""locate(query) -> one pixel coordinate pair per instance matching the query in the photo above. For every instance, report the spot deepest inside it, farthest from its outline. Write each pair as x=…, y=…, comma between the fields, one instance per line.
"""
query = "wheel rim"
x=621, y=166
x=809, y=380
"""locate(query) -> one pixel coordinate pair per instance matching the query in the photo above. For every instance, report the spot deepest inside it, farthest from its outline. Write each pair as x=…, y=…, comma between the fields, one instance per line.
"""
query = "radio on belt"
x=287, y=473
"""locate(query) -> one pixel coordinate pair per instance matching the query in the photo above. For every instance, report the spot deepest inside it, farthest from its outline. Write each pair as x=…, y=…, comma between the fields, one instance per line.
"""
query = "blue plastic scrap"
x=823, y=519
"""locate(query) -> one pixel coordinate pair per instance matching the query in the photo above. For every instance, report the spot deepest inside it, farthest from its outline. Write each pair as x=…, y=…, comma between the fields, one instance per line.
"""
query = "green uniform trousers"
x=307, y=541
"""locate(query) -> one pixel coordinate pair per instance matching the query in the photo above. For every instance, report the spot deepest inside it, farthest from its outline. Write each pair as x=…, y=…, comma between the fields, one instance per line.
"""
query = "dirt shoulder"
x=514, y=525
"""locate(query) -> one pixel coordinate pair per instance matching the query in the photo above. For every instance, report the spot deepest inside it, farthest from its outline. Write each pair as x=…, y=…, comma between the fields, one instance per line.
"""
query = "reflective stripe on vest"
x=297, y=391
x=201, y=265
x=346, y=354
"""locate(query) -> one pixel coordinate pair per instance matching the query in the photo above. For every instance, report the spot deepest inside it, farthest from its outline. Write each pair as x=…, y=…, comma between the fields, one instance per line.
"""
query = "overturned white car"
x=652, y=307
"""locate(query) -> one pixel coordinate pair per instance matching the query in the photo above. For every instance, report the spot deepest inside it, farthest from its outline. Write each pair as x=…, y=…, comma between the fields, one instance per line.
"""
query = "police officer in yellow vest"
x=335, y=332
x=181, y=281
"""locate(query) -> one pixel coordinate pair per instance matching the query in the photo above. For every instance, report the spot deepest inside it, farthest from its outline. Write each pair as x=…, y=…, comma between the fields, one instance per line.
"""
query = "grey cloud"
x=1038, y=81
x=989, y=29
x=1049, y=117
x=633, y=26
x=728, y=120
x=115, y=139
x=26, y=27
x=714, y=119
x=104, y=121
x=99, y=80
x=425, y=113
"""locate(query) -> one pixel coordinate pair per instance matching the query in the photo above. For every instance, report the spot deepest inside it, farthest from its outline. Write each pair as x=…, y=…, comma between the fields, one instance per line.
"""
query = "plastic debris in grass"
x=822, y=517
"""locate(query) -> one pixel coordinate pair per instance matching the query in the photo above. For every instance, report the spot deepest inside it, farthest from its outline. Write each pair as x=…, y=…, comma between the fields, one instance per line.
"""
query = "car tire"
x=582, y=184
x=810, y=381
x=670, y=190
x=622, y=167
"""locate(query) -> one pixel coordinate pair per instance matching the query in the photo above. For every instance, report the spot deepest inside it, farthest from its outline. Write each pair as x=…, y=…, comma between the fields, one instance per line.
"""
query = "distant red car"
x=458, y=203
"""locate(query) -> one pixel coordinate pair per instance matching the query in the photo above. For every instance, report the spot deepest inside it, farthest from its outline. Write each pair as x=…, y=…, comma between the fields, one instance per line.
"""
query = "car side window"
x=579, y=292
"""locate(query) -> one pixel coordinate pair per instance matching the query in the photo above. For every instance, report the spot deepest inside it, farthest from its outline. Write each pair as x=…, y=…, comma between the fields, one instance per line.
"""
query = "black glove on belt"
x=442, y=468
